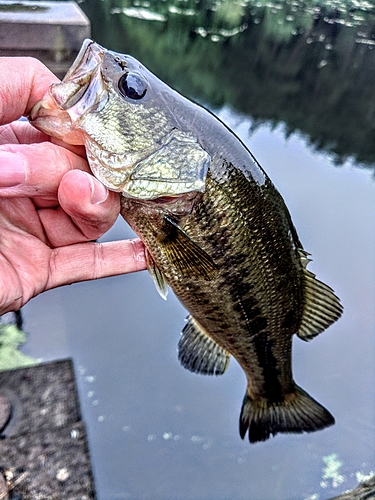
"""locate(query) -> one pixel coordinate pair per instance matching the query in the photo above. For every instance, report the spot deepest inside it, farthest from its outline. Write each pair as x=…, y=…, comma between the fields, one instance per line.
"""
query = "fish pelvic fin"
x=198, y=353
x=322, y=307
x=157, y=275
x=296, y=414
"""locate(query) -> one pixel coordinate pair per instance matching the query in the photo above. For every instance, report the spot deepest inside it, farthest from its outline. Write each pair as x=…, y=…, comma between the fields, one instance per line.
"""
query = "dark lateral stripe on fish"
x=267, y=366
x=245, y=305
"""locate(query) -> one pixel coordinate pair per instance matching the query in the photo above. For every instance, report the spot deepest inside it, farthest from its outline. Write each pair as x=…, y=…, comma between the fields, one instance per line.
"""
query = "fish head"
x=134, y=127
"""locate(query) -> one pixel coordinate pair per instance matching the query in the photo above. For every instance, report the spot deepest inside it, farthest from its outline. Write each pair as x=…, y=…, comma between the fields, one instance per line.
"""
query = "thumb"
x=92, y=207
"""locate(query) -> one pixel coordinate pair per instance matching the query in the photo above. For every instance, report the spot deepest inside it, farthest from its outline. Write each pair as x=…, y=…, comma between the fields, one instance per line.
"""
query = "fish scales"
x=244, y=296
x=215, y=230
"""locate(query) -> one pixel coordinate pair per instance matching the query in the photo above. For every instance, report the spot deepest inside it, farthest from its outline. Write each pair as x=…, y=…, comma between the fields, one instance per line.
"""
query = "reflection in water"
x=331, y=471
x=310, y=67
x=156, y=431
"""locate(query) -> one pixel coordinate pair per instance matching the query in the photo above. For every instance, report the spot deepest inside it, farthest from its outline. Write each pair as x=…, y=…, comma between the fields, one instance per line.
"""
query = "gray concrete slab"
x=43, y=448
x=51, y=31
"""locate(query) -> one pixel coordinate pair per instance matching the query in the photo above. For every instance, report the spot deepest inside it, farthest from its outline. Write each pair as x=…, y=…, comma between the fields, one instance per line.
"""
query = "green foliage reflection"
x=297, y=63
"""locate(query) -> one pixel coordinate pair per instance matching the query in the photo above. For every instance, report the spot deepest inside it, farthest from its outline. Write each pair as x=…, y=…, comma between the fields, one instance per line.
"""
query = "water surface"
x=296, y=84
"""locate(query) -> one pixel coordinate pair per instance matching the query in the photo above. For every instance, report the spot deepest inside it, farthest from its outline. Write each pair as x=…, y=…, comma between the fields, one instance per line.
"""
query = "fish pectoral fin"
x=297, y=413
x=157, y=275
x=184, y=254
x=322, y=307
x=198, y=353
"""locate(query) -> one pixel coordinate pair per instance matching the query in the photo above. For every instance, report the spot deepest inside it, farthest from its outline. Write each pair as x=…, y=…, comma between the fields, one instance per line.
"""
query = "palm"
x=25, y=256
x=29, y=228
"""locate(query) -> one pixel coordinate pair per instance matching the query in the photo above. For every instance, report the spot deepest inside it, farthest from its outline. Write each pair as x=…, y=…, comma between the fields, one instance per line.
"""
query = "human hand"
x=51, y=207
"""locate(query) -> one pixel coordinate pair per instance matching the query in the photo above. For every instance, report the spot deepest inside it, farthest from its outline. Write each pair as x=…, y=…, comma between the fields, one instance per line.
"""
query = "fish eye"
x=132, y=86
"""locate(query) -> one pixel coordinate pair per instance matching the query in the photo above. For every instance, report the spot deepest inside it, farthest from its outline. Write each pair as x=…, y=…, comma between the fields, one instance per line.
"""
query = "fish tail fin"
x=297, y=413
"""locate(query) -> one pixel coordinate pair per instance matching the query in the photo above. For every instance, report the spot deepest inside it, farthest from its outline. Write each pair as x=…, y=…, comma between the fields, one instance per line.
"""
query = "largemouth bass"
x=215, y=229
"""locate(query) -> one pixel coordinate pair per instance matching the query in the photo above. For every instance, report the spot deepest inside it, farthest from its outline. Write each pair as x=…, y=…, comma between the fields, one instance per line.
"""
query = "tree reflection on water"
x=306, y=65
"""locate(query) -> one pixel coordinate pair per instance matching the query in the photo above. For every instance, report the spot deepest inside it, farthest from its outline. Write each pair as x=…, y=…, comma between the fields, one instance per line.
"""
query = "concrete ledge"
x=43, y=447
x=51, y=31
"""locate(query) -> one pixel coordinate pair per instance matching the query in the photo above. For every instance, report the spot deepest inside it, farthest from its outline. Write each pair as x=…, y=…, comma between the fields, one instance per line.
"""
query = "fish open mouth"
x=81, y=90
x=79, y=76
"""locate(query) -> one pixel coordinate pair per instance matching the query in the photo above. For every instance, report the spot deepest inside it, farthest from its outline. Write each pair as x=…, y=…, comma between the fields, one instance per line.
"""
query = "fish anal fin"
x=198, y=353
x=296, y=414
x=184, y=254
x=157, y=275
x=321, y=308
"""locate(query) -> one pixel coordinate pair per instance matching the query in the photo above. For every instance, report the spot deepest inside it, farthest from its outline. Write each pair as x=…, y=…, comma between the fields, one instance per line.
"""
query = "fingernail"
x=12, y=169
x=99, y=193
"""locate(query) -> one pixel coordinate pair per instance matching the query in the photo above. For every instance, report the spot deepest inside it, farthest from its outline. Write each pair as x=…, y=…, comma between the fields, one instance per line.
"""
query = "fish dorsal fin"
x=184, y=254
x=198, y=353
x=322, y=307
x=157, y=275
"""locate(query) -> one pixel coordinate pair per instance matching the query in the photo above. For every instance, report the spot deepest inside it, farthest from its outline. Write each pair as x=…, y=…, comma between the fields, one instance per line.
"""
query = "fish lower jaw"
x=149, y=190
x=115, y=172
x=141, y=189
x=114, y=180
x=121, y=180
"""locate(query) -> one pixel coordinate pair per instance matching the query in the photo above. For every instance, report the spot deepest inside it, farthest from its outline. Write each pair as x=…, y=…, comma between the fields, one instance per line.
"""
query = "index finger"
x=24, y=81
x=35, y=170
